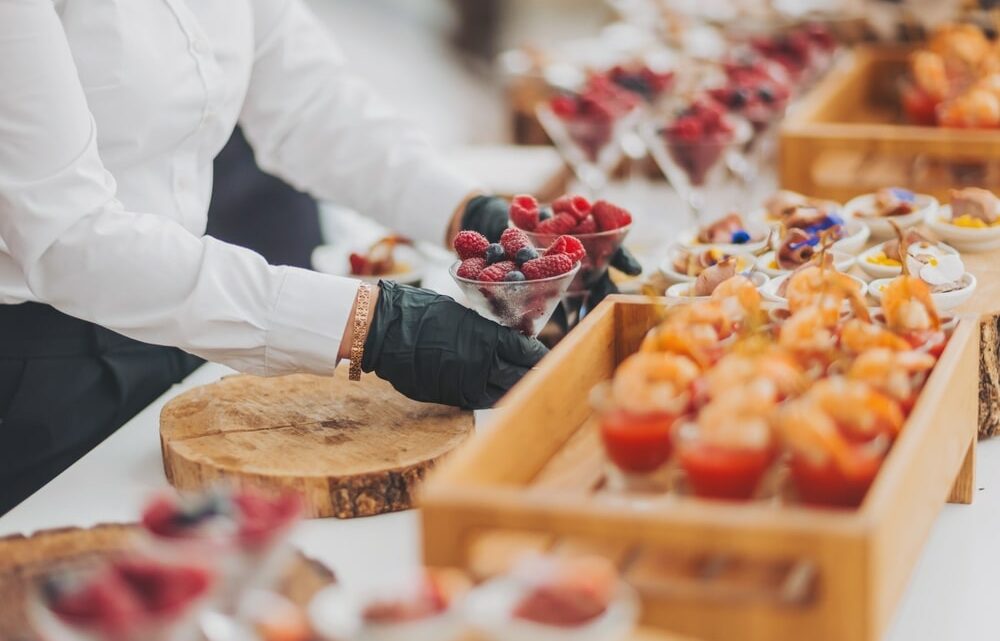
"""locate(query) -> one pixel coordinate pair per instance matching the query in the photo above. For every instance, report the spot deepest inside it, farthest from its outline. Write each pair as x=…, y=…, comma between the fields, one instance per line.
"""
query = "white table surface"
x=950, y=596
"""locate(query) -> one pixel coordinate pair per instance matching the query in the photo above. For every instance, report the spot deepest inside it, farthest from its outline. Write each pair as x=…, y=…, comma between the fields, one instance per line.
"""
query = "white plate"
x=855, y=236
x=879, y=226
x=964, y=239
x=757, y=230
x=333, y=259
x=943, y=301
x=842, y=262
x=336, y=615
x=680, y=293
x=884, y=271
x=488, y=609
x=770, y=289
x=673, y=276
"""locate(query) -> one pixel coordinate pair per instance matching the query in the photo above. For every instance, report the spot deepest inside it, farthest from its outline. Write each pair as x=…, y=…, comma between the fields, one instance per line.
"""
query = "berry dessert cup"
x=421, y=608
x=699, y=150
x=549, y=599
x=129, y=599
x=512, y=282
x=588, y=127
x=600, y=228
x=242, y=534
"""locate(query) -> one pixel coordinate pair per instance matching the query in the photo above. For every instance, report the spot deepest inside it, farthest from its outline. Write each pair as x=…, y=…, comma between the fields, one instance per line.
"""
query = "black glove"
x=435, y=350
x=489, y=216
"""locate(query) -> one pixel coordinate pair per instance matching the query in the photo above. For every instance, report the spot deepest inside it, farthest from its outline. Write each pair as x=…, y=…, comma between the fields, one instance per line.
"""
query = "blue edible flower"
x=813, y=240
x=905, y=195
x=740, y=236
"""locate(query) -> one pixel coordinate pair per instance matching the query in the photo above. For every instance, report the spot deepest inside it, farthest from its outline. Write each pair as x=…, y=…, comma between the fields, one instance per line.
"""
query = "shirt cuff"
x=307, y=322
x=432, y=201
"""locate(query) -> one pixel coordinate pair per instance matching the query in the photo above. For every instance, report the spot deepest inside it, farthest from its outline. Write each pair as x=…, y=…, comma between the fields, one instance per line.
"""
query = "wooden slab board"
x=350, y=449
x=24, y=560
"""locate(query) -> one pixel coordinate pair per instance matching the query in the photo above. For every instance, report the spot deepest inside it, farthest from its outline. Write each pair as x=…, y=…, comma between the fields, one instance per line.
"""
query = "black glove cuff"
x=488, y=215
x=382, y=316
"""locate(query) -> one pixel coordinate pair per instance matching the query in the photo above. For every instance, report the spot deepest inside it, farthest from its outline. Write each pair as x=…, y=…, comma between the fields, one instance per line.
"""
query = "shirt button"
x=199, y=46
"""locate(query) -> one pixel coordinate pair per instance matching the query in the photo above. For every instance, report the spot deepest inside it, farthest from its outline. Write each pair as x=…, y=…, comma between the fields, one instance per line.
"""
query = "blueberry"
x=740, y=236
x=635, y=84
x=524, y=255
x=766, y=94
x=514, y=276
x=738, y=98
x=545, y=214
x=495, y=253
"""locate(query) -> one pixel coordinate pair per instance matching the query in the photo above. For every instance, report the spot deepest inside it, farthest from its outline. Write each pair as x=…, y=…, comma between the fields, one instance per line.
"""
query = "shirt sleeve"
x=323, y=130
x=136, y=273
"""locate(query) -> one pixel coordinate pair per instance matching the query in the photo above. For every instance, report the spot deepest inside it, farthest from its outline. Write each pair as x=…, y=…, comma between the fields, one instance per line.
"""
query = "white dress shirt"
x=111, y=112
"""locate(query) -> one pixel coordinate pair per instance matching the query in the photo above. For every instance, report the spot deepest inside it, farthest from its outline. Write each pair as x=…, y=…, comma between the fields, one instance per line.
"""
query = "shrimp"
x=976, y=108
x=856, y=407
x=858, y=336
x=739, y=298
x=808, y=332
x=741, y=418
x=892, y=372
x=699, y=342
x=648, y=382
x=809, y=431
x=826, y=289
x=908, y=305
x=738, y=371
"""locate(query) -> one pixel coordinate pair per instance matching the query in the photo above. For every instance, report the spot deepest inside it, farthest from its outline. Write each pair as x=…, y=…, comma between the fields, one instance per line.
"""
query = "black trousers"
x=66, y=385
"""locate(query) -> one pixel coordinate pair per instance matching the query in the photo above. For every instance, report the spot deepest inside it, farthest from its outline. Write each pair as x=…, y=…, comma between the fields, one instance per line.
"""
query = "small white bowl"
x=333, y=259
x=879, y=225
x=943, y=301
x=875, y=270
x=770, y=289
x=489, y=609
x=759, y=233
x=855, y=236
x=680, y=293
x=964, y=239
x=842, y=262
x=673, y=276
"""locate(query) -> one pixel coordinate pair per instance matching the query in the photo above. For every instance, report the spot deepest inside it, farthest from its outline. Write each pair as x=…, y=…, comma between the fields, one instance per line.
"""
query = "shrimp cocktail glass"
x=638, y=412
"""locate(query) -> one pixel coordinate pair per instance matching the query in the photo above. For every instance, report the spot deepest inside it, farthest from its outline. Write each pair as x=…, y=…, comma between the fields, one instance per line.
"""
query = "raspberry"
x=471, y=267
x=610, y=216
x=547, y=266
x=568, y=246
x=513, y=241
x=576, y=206
x=524, y=212
x=587, y=226
x=557, y=225
x=496, y=272
x=470, y=244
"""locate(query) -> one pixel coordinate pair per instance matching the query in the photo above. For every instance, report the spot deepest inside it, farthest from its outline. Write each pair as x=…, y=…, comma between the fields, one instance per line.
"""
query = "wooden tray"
x=350, y=449
x=711, y=570
x=849, y=137
x=24, y=560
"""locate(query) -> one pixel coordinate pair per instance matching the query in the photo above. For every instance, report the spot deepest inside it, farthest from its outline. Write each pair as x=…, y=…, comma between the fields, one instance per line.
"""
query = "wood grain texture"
x=350, y=449
x=24, y=560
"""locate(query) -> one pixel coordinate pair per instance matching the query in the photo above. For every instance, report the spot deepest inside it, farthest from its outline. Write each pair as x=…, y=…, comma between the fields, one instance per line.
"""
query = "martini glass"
x=591, y=144
x=523, y=305
x=600, y=247
x=702, y=166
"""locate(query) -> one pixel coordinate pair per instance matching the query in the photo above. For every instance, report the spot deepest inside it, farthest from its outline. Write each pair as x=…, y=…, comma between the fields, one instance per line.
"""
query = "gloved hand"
x=489, y=216
x=435, y=350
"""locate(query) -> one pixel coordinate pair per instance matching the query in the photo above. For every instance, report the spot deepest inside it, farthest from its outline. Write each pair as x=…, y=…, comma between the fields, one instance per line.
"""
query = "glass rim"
x=453, y=271
x=588, y=236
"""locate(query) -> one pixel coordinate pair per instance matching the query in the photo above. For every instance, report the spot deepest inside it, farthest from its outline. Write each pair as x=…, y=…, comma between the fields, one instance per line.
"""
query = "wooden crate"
x=848, y=137
x=710, y=570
